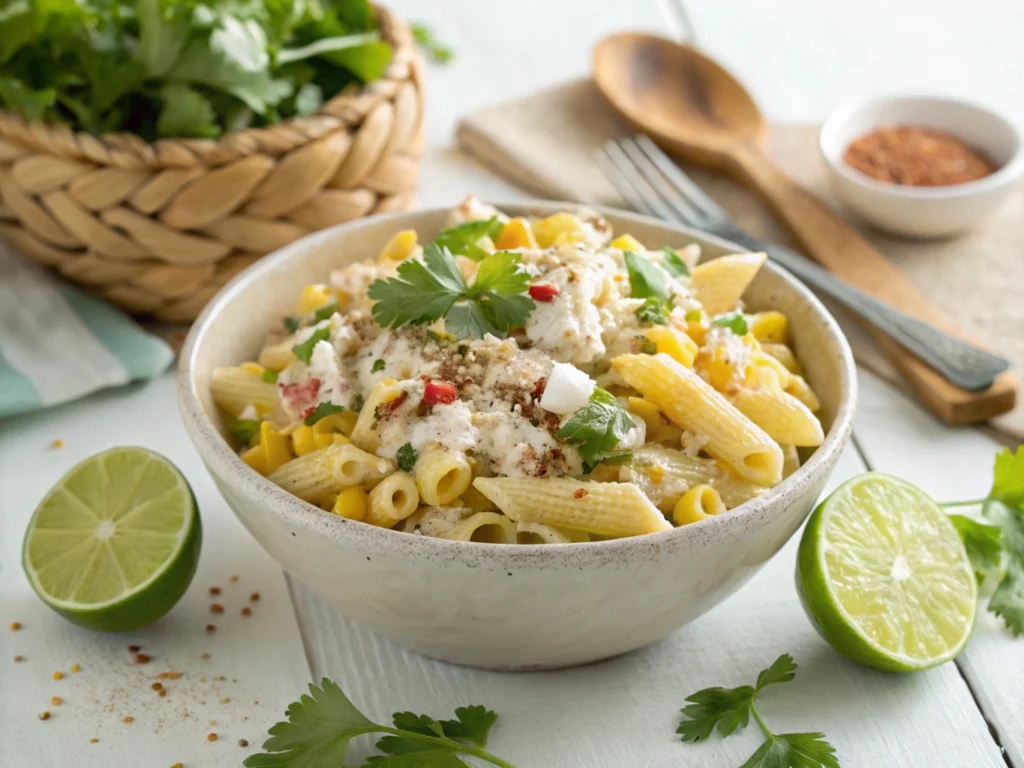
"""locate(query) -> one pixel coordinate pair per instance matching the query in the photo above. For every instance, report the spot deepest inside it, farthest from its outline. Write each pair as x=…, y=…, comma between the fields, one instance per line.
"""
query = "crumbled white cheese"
x=569, y=326
x=471, y=209
x=447, y=425
x=323, y=365
x=691, y=443
x=249, y=413
x=567, y=390
x=514, y=447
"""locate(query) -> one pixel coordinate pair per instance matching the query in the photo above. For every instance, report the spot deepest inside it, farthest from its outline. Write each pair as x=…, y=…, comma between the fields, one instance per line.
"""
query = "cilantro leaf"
x=323, y=409
x=647, y=347
x=317, y=732
x=424, y=291
x=407, y=457
x=426, y=40
x=726, y=708
x=186, y=113
x=244, y=430
x=730, y=708
x=1008, y=478
x=597, y=428
x=673, y=264
x=270, y=376
x=653, y=311
x=782, y=670
x=291, y=324
x=734, y=321
x=983, y=543
x=1007, y=601
x=378, y=365
x=33, y=104
x=320, y=726
x=325, y=312
x=473, y=725
x=794, y=750
x=304, y=351
x=462, y=240
x=646, y=280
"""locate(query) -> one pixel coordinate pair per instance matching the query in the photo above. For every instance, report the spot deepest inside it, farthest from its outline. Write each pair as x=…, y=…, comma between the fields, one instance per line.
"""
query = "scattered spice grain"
x=211, y=737
x=141, y=658
x=134, y=648
x=205, y=657
x=211, y=628
x=15, y=626
x=163, y=693
x=157, y=686
x=127, y=719
x=76, y=668
x=57, y=675
x=57, y=443
x=44, y=715
x=234, y=579
x=247, y=611
x=178, y=765
x=214, y=591
x=255, y=597
x=216, y=608
x=243, y=743
x=226, y=700
x=94, y=740
x=56, y=701
x=18, y=659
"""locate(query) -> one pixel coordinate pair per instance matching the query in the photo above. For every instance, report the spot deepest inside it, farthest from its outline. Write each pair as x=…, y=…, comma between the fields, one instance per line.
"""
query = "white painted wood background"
x=800, y=57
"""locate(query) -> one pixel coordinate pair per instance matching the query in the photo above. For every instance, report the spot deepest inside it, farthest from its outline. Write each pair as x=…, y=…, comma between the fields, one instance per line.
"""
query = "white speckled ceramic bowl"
x=504, y=606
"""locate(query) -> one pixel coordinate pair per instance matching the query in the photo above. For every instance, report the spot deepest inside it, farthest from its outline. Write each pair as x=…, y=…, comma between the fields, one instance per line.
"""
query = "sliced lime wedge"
x=884, y=577
x=114, y=545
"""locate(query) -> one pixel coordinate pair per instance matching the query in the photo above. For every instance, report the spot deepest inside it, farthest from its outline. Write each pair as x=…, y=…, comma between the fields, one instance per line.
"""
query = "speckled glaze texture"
x=504, y=606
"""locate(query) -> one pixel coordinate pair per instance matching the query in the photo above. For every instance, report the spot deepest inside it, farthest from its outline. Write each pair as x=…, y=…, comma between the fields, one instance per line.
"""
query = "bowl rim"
x=223, y=462
x=1003, y=175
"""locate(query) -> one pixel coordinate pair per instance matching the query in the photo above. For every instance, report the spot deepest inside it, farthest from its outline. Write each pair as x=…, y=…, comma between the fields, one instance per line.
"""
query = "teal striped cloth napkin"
x=58, y=343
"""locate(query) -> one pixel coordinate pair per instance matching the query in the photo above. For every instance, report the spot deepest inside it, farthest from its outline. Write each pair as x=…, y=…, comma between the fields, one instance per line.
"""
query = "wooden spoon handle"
x=840, y=248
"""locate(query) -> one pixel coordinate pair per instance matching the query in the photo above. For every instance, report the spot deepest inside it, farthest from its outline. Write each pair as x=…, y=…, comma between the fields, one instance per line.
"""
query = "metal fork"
x=655, y=185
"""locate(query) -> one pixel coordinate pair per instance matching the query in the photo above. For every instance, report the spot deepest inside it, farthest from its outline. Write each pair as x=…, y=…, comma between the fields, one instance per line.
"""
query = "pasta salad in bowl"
x=452, y=381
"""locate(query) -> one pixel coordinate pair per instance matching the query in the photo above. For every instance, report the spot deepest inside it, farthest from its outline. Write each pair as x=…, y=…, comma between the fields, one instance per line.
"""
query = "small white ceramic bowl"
x=922, y=212
x=500, y=605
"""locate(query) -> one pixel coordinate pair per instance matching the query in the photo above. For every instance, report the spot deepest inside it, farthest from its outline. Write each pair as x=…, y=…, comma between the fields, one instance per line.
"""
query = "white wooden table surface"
x=799, y=57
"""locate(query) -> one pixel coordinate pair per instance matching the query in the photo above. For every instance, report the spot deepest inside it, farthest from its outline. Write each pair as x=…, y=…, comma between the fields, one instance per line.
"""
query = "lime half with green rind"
x=115, y=543
x=884, y=577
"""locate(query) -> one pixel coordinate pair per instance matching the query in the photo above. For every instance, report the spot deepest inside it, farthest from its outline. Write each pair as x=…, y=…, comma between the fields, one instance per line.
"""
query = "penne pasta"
x=442, y=476
x=320, y=476
x=606, y=509
x=665, y=474
x=485, y=527
x=694, y=405
x=392, y=500
x=784, y=418
x=235, y=389
x=719, y=283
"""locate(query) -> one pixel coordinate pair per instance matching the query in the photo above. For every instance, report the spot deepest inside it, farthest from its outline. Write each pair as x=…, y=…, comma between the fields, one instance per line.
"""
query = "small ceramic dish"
x=505, y=606
x=922, y=212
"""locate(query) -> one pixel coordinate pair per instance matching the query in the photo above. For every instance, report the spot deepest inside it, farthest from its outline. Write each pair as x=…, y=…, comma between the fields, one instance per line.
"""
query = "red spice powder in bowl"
x=921, y=166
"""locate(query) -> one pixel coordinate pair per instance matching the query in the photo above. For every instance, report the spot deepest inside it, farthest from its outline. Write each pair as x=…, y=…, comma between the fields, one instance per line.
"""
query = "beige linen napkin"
x=545, y=143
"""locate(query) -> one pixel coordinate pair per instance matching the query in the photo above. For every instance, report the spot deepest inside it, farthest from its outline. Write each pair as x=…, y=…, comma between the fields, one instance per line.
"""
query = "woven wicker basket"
x=158, y=228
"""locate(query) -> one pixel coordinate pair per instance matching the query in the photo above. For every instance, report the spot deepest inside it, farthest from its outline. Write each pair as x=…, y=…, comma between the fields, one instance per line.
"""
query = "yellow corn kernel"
x=351, y=503
x=557, y=230
x=277, y=357
x=313, y=297
x=656, y=473
x=336, y=425
x=399, y=247
x=658, y=427
x=769, y=326
x=697, y=330
x=303, y=440
x=720, y=371
x=272, y=450
x=673, y=343
x=698, y=503
x=516, y=234
x=254, y=368
x=626, y=243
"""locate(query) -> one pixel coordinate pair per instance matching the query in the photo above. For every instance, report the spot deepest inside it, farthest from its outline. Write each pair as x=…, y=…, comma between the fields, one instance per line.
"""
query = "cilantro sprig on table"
x=426, y=290
x=995, y=542
x=596, y=429
x=727, y=709
x=321, y=724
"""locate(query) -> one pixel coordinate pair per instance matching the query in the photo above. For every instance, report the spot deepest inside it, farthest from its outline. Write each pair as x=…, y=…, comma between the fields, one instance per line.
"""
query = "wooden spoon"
x=694, y=108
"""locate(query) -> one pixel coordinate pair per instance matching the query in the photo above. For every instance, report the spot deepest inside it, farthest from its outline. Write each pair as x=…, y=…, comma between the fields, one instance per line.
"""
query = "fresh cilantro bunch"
x=995, y=542
x=321, y=725
x=597, y=429
x=430, y=288
x=730, y=708
x=183, y=68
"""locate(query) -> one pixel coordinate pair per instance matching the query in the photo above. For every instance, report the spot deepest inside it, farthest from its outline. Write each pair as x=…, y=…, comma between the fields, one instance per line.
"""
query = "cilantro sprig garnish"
x=673, y=264
x=321, y=724
x=596, y=429
x=463, y=239
x=407, y=457
x=304, y=351
x=734, y=321
x=727, y=709
x=647, y=282
x=653, y=311
x=429, y=289
x=995, y=543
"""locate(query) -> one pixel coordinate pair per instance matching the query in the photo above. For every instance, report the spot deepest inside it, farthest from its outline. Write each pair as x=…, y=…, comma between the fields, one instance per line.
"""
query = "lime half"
x=114, y=545
x=883, y=576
